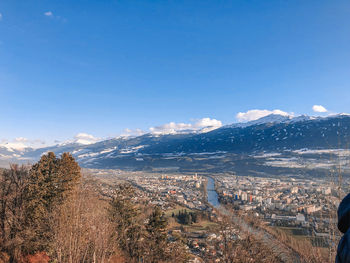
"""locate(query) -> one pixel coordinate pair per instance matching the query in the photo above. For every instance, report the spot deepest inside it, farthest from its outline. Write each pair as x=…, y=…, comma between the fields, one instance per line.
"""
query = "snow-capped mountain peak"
x=302, y=118
x=272, y=118
x=281, y=133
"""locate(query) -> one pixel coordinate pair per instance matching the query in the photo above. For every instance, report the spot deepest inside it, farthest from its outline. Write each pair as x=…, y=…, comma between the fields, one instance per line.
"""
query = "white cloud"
x=319, y=108
x=252, y=115
x=84, y=138
x=21, y=139
x=48, y=13
x=170, y=127
x=0, y=16
x=129, y=132
x=21, y=143
x=55, y=17
x=205, y=124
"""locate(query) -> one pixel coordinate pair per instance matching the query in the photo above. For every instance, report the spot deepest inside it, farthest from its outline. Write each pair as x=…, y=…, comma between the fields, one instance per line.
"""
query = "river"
x=213, y=197
x=285, y=254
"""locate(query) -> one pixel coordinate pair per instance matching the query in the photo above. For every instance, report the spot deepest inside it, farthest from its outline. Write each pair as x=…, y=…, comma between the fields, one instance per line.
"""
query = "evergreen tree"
x=68, y=176
x=50, y=181
x=39, y=198
x=125, y=215
x=157, y=236
x=187, y=218
x=194, y=217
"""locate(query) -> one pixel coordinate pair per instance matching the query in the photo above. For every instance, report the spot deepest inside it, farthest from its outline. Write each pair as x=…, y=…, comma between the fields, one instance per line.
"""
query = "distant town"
x=304, y=207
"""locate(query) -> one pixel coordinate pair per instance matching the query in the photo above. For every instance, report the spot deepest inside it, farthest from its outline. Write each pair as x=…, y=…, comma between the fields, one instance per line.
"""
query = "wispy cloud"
x=84, y=138
x=48, y=13
x=0, y=16
x=319, y=108
x=132, y=132
x=252, y=115
x=21, y=143
x=204, y=124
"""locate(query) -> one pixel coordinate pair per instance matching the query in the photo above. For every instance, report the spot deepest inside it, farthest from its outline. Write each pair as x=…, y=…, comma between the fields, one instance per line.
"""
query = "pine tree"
x=50, y=181
x=125, y=216
x=68, y=176
x=157, y=236
x=39, y=196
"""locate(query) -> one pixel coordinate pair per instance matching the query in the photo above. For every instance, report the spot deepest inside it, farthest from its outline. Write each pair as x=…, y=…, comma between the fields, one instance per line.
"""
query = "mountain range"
x=227, y=148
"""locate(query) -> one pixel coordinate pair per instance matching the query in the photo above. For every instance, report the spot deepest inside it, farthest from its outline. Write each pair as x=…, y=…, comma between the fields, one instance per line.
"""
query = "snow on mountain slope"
x=272, y=133
x=272, y=118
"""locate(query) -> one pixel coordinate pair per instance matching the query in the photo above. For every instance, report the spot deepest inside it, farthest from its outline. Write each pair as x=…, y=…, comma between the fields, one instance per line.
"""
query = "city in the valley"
x=302, y=208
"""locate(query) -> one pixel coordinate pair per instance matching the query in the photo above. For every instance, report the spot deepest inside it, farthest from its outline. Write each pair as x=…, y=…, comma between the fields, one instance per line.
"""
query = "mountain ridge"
x=272, y=133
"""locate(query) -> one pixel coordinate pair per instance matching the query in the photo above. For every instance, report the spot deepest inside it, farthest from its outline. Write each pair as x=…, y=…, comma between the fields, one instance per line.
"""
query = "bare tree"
x=12, y=228
x=82, y=230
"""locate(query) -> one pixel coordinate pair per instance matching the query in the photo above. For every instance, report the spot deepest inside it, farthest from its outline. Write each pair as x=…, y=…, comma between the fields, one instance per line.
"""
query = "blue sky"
x=99, y=67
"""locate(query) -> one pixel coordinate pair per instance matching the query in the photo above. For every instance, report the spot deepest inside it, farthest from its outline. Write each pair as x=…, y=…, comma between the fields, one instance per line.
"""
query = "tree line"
x=50, y=213
x=186, y=218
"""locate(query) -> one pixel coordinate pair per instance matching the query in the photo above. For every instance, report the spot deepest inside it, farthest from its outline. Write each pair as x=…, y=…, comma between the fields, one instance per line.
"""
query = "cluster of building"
x=285, y=201
x=186, y=190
